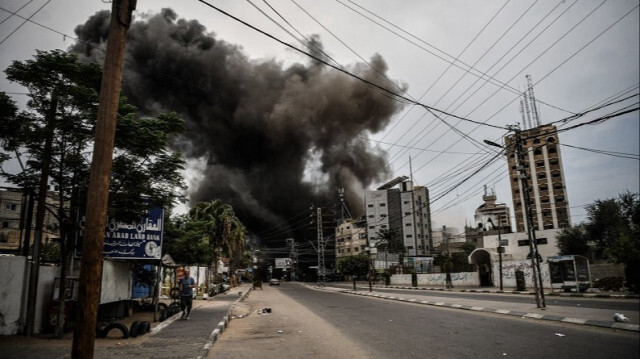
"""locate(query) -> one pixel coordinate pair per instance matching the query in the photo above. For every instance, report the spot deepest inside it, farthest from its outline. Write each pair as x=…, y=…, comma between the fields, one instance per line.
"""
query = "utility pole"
x=500, y=248
x=98, y=192
x=531, y=233
x=321, y=245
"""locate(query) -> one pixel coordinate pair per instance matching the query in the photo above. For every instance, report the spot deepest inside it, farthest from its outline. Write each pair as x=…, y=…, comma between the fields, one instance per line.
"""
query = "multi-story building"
x=12, y=202
x=405, y=210
x=351, y=238
x=491, y=214
x=543, y=168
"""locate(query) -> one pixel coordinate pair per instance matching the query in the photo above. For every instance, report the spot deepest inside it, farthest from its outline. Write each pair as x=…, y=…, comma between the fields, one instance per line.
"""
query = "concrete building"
x=351, y=238
x=543, y=167
x=491, y=215
x=12, y=203
x=404, y=209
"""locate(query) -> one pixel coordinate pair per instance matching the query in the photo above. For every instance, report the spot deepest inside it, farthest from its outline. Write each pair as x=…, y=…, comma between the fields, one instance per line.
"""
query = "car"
x=274, y=282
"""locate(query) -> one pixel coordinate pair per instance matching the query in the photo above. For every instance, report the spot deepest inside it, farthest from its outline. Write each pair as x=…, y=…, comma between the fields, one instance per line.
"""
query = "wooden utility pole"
x=98, y=192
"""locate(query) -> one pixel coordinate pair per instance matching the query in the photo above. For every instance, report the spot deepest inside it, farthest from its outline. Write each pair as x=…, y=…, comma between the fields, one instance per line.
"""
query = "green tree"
x=62, y=107
x=573, y=240
x=225, y=232
x=614, y=226
x=354, y=266
x=388, y=241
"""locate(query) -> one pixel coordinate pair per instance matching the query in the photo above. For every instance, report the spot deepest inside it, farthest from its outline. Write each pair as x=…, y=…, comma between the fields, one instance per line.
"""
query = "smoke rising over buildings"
x=273, y=139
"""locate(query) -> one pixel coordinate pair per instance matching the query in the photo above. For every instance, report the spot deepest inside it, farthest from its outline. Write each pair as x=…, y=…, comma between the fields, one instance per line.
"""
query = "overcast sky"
x=579, y=54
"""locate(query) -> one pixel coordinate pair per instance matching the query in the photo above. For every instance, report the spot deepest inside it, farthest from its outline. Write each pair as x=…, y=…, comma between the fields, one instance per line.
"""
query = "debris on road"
x=560, y=334
x=620, y=318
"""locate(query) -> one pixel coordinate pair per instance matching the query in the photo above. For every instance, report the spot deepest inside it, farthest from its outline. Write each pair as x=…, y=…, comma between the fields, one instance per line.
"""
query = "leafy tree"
x=354, y=266
x=614, y=226
x=573, y=240
x=468, y=247
x=62, y=107
x=390, y=242
x=225, y=232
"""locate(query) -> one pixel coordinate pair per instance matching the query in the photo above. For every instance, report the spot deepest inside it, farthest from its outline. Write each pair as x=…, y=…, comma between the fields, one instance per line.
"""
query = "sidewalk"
x=173, y=338
x=575, y=315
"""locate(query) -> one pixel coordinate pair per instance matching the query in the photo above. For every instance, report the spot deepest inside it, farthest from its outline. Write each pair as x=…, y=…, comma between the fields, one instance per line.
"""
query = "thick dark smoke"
x=275, y=140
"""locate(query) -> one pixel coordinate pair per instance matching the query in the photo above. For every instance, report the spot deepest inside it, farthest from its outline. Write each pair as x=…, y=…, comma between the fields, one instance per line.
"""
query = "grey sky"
x=574, y=61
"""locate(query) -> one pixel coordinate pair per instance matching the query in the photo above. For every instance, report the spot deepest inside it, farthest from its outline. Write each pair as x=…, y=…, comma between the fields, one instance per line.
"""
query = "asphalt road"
x=615, y=305
x=402, y=330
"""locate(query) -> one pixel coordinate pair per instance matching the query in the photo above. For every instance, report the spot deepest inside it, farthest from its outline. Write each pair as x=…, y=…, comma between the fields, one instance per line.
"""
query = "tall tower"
x=543, y=167
x=404, y=209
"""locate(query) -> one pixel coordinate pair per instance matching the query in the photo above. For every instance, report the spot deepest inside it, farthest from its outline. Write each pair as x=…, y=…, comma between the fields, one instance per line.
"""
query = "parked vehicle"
x=274, y=282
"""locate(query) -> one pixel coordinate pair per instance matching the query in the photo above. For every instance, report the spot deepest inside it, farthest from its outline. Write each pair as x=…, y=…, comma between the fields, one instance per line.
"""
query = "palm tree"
x=224, y=230
x=389, y=242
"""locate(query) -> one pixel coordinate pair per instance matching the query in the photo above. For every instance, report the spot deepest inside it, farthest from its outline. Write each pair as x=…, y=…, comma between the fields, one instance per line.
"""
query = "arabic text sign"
x=131, y=240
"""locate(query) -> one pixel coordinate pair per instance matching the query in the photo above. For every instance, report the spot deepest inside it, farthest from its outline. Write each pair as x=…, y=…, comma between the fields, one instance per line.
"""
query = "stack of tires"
x=136, y=329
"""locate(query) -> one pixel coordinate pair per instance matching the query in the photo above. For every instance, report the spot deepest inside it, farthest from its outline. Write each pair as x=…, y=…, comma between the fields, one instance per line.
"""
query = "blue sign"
x=130, y=240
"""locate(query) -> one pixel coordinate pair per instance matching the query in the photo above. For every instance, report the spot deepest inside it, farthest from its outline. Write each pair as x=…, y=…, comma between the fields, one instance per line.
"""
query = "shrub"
x=609, y=284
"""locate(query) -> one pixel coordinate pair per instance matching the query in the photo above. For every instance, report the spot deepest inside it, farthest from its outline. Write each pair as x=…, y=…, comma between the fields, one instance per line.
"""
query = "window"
x=383, y=226
x=383, y=204
x=406, y=202
x=371, y=216
x=10, y=206
x=407, y=213
x=372, y=227
x=5, y=224
x=409, y=247
x=409, y=236
x=370, y=205
x=383, y=215
x=407, y=225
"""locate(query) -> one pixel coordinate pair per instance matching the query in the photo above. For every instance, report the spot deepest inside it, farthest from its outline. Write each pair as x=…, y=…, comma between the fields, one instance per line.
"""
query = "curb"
x=497, y=291
x=597, y=323
x=222, y=325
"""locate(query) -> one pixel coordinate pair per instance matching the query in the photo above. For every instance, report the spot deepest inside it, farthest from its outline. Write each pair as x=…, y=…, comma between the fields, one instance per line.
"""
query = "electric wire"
x=24, y=22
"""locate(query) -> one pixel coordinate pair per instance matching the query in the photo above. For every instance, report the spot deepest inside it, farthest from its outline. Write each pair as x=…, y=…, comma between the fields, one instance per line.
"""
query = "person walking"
x=187, y=283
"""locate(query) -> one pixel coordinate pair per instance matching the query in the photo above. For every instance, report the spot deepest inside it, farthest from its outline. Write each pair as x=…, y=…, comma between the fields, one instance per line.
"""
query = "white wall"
x=466, y=279
x=116, y=281
x=11, y=282
x=509, y=273
x=13, y=294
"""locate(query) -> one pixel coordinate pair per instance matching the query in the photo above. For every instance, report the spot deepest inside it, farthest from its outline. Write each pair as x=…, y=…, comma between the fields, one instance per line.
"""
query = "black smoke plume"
x=274, y=140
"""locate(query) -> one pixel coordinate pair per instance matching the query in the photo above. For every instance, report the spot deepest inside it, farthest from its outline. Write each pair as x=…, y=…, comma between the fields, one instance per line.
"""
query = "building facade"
x=351, y=238
x=543, y=168
x=12, y=213
x=403, y=208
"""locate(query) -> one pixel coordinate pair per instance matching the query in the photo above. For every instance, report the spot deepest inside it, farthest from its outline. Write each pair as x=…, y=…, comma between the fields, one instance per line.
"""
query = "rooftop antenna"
x=527, y=111
x=522, y=113
x=532, y=100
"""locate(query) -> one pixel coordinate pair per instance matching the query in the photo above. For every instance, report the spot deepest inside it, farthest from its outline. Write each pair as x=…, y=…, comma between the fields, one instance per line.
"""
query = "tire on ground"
x=119, y=326
x=145, y=327
x=134, y=329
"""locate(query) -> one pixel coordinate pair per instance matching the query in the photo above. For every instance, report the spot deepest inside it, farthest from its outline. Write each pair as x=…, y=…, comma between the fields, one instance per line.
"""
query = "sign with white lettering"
x=130, y=240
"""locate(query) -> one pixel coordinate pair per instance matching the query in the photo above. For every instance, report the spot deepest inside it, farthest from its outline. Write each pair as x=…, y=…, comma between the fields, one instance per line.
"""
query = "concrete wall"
x=509, y=274
x=13, y=294
x=11, y=282
x=466, y=279
x=604, y=270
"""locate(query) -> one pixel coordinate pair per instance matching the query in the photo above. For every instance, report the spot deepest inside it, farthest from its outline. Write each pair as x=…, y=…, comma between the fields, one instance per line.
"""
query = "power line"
x=394, y=95
x=24, y=22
